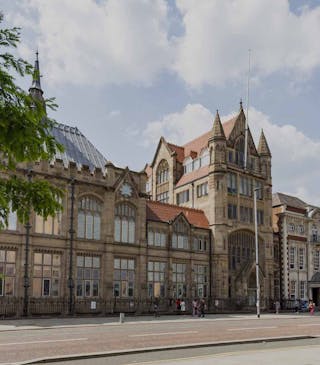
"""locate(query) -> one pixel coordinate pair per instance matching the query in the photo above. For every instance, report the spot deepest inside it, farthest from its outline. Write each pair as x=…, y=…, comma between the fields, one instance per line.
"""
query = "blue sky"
x=126, y=72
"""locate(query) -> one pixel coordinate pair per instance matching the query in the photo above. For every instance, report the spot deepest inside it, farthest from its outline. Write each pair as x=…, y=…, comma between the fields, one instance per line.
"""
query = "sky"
x=126, y=72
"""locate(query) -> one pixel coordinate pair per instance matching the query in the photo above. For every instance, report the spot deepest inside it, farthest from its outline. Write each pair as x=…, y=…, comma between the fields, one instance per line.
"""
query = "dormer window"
x=205, y=157
x=187, y=165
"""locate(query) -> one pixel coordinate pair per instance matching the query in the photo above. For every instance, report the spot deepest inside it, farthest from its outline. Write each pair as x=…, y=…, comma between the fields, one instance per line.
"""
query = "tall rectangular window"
x=245, y=186
x=292, y=289
x=183, y=197
x=88, y=276
x=301, y=258
x=232, y=211
x=316, y=260
x=156, y=279
x=123, y=277
x=201, y=280
x=7, y=272
x=232, y=183
x=259, y=186
x=163, y=197
x=292, y=257
x=46, y=274
x=202, y=189
x=179, y=280
x=302, y=289
x=12, y=221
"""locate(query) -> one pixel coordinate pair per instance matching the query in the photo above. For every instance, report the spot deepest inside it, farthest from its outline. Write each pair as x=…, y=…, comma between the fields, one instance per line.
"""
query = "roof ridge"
x=175, y=206
x=175, y=145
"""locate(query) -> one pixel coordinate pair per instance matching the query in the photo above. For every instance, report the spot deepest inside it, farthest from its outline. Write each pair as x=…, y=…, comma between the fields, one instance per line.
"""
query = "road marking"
x=250, y=328
x=163, y=333
x=222, y=354
x=309, y=324
x=43, y=341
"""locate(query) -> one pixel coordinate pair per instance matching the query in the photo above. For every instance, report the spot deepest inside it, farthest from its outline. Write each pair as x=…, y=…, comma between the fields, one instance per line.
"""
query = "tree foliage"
x=24, y=138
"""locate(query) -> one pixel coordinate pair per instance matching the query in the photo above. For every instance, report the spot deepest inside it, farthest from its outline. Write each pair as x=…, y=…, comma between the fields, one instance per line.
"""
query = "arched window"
x=124, y=223
x=239, y=147
x=180, y=236
x=162, y=172
x=241, y=249
x=89, y=218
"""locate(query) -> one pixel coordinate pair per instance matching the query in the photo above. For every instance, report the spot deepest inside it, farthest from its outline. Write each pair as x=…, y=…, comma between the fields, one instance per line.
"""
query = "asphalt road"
x=294, y=352
x=25, y=344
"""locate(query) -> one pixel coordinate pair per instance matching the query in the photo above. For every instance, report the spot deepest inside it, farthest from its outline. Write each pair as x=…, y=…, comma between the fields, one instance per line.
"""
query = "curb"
x=92, y=355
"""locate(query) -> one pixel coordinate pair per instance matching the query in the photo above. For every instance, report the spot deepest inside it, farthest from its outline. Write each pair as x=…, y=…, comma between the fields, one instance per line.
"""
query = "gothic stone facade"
x=208, y=173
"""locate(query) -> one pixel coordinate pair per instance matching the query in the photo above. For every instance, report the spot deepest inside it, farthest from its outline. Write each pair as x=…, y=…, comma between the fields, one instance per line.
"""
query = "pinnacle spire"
x=35, y=89
x=263, y=148
x=218, y=132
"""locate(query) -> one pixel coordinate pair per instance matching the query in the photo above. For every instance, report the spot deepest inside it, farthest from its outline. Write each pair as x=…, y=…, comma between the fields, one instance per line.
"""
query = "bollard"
x=121, y=318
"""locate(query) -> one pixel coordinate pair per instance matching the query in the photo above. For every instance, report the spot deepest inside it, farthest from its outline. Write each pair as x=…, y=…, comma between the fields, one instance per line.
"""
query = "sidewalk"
x=60, y=322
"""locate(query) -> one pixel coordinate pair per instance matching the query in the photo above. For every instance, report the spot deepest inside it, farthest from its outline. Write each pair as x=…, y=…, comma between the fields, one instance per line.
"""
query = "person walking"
x=182, y=305
x=277, y=305
x=156, y=307
x=202, y=305
x=312, y=307
x=194, y=307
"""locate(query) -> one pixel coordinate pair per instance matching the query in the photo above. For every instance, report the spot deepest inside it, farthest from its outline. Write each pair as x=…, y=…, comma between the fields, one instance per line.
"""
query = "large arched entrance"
x=242, y=268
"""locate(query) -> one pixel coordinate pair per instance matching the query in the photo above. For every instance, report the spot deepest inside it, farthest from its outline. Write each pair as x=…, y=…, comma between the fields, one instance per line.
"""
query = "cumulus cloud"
x=89, y=42
x=294, y=155
x=218, y=34
x=120, y=41
x=179, y=127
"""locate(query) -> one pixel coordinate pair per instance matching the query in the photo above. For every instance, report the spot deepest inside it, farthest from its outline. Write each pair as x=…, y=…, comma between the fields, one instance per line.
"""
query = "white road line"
x=309, y=324
x=250, y=328
x=43, y=341
x=163, y=333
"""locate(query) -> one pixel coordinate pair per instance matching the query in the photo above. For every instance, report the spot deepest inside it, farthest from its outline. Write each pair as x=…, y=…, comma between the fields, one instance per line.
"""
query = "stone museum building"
x=181, y=228
x=296, y=227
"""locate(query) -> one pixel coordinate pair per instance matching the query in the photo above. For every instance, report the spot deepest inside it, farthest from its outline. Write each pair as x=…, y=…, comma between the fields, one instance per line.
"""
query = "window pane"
x=89, y=226
x=2, y=255
x=46, y=287
x=81, y=221
x=36, y=287
x=96, y=224
x=11, y=256
x=117, y=229
x=80, y=261
x=117, y=263
x=47, y=259
x=56, y=260
x=124, y=229
x=131, y=231
x=88, y=261
x=96, y=261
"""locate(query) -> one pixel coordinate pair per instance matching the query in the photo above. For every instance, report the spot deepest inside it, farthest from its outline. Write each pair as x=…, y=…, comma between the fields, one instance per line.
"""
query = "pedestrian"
x=311, y=307
x=277, y=305
x=194, y=307
x=182, y=305
x=201, y=307
x=178, y=304
x=156, y=307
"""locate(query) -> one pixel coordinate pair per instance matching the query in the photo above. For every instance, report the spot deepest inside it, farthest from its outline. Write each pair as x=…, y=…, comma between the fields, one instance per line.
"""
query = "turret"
x=217, y=145
x=35, y=89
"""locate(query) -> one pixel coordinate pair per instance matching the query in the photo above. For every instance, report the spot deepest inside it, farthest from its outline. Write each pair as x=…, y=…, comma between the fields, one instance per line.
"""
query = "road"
x=22, y=344
x=294, y=352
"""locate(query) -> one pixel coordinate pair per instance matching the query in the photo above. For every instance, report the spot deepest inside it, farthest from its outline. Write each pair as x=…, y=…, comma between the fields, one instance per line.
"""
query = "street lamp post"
x=26, y=280
x=257, y=249
x=71, y=235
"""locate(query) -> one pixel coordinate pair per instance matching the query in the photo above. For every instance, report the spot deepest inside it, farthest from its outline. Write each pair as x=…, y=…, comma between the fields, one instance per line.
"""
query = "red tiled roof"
x=162, y=212
x=179, y=151
x=193, y=175
x=195, y=146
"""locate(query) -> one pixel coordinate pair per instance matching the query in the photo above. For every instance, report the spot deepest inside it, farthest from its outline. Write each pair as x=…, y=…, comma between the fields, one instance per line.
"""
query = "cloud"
x=179, y=127
x=114, y=113
x=205, y=42
x=295, y=156
x=218, y=34
x=89, y=42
